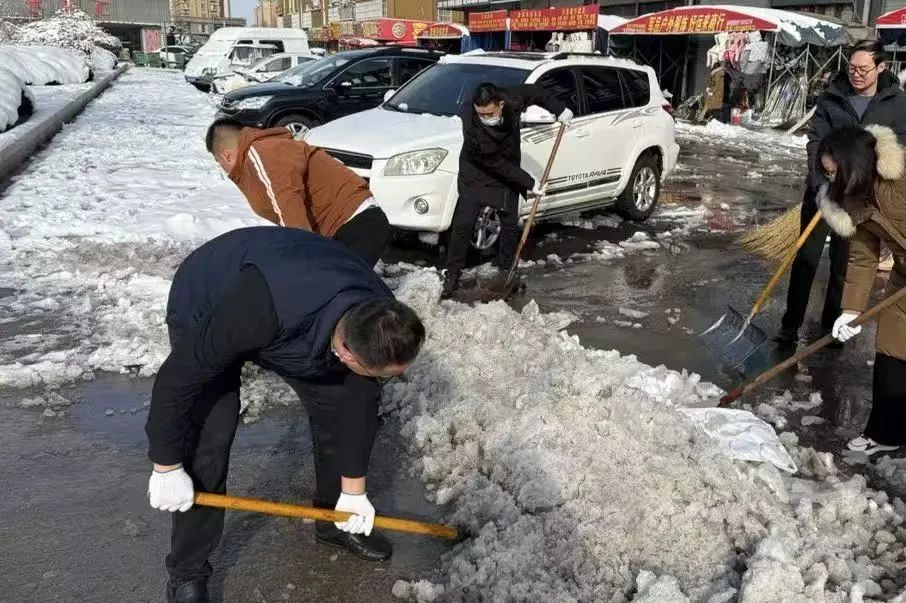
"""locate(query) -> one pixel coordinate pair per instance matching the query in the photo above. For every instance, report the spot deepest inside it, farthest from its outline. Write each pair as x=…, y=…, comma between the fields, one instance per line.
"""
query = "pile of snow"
x=70, y=29
x=16, y=104
x=102, y=59
x=43, y=65
x=580, y=480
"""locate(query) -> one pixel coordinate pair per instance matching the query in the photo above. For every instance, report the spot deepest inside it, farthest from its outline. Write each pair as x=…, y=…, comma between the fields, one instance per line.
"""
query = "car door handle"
x=582, y=133
x=637, y=123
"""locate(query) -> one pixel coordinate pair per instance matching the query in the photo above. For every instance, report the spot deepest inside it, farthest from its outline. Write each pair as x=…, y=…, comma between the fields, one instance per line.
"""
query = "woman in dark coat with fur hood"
x=866, y=203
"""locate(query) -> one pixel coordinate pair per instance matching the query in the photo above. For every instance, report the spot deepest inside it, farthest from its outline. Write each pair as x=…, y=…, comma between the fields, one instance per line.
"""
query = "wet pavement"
x=76, y=523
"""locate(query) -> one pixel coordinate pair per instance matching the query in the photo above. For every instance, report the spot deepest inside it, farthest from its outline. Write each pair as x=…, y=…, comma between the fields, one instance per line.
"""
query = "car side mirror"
x=388, y=95
x=536, y=116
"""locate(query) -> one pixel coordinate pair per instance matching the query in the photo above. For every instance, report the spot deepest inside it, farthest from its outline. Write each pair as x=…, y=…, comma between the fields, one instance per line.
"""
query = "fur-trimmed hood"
x=891, y=165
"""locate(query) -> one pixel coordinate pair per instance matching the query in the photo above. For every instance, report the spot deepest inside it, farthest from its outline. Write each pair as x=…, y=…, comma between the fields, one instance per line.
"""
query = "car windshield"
x=248, y=55
x=445, y=87
x=311, y=73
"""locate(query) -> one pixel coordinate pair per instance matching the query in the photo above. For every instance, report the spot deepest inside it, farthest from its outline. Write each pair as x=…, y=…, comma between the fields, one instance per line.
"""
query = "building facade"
x=266, y=14
x=193, y=21
x=203, y=9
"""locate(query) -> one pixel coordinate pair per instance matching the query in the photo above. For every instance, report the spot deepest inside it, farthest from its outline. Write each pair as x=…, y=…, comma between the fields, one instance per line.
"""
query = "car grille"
x=352, y=160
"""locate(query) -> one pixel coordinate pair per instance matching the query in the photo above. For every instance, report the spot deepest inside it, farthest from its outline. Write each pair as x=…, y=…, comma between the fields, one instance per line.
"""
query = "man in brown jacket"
x=292, y=183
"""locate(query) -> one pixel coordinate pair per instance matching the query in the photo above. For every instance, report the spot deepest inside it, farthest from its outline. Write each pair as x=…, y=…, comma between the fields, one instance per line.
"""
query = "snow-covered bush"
x=73, y=30
x=16, y=102
x=42, y=65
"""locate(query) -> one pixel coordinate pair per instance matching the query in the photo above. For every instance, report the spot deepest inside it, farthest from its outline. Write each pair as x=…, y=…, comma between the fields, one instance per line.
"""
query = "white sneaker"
x=868, y=446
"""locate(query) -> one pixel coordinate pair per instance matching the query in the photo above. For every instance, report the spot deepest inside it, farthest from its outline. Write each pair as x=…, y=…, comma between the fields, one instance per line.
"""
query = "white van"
x=230, y=44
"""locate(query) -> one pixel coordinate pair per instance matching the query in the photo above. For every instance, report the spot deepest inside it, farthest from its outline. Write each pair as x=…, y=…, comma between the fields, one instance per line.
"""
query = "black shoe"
x=190, y=591
x=787, y=337
x=370, y=548
x=451, y=283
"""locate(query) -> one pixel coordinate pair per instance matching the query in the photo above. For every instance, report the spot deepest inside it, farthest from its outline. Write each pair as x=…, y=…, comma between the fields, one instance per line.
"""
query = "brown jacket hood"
x=292, y=183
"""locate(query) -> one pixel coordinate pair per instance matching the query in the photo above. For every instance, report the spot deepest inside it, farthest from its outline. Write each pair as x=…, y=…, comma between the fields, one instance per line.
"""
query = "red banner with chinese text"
x=894, y=18
x=494, y=20
x=694, y=21
x=570, y=18
x=440, y=31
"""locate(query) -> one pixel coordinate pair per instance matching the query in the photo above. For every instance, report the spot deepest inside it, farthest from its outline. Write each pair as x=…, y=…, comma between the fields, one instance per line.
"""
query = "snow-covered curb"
x=19, y=144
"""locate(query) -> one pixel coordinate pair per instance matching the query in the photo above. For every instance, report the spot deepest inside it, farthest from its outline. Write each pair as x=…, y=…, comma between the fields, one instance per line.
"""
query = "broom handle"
x=773, y=372
x=783, y=266
x=235, y=503
x=531, y=219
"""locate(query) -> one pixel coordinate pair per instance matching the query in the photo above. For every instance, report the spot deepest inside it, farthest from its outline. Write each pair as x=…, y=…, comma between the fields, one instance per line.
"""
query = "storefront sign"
x=319, y=34
x=440, y=31
x=454, y=4
x=494, y=20
x=572, y=18
x=393, y=30
x=694, y=21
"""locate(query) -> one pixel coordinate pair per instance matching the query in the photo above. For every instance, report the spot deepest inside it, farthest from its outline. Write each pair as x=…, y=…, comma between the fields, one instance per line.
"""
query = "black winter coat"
x=489, y=164
x=888, y=108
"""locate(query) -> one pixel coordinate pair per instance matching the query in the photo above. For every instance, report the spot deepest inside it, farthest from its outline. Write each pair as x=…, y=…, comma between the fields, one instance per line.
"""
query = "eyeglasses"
x=379, y=378
x=854, y=70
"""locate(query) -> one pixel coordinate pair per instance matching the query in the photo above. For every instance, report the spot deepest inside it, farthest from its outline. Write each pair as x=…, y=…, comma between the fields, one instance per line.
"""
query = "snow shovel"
x=734, y=338
x=235, y=503
x=824, y=341
x=511, y=280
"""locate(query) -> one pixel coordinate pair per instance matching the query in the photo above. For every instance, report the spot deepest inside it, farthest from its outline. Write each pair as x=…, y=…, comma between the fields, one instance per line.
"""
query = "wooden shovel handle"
x=531, y=218
x=773, y=372
x=784, y=265
x=253, y=505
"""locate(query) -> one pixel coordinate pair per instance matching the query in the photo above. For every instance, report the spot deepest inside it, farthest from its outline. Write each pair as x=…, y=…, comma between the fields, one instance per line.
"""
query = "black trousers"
x=367, y=235
x=197, y=532
x=805, y=266
x=887, y=421
x=463, y=227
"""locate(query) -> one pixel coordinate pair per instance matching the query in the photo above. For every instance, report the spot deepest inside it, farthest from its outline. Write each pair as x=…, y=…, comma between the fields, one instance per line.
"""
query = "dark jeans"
x=197, y=532
x=805, y=266
x=367, y=235
x=463, y=227
x=887, y=422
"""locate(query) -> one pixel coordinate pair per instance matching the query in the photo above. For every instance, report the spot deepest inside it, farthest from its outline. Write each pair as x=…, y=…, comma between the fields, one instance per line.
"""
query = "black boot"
x=787, y=337
x=451, y=283
x=369, y=548
x=190, y=591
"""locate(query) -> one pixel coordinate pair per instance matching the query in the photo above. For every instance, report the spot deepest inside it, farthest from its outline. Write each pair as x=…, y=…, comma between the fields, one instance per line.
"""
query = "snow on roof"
x=608, y=22
x=793, y=29
x=11, y=91
x=532, y=60
x=42, y=65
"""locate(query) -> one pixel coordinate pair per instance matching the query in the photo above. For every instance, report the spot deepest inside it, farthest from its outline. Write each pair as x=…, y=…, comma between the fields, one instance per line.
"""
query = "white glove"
x=362, y=520
x=171, y=491
x=536, y=191
x=565, y=117
x=842, y=332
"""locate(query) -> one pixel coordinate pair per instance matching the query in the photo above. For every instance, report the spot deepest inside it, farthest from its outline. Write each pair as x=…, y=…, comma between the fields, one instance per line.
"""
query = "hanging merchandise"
x=785, y=101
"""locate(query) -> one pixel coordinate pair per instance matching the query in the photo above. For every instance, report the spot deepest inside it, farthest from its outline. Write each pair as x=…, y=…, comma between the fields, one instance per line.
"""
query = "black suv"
x=320, y=91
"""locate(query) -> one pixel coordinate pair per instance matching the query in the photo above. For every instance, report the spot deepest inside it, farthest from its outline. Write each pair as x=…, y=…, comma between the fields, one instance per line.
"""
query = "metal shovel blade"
x=733, y=339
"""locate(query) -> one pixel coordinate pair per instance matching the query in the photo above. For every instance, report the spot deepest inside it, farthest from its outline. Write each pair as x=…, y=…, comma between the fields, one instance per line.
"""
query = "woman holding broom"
x=866, y=204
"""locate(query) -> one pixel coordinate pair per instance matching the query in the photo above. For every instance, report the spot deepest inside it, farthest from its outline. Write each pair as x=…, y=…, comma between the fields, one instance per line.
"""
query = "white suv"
x=617, y=150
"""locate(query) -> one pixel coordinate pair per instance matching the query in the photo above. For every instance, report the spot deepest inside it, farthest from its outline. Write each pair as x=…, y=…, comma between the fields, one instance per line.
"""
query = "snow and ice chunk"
x=42, y=65
x=70, y=29
x=16, y=103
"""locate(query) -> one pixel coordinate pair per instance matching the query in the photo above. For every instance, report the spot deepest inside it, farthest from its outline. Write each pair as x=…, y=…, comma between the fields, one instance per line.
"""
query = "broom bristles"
x=776, y=240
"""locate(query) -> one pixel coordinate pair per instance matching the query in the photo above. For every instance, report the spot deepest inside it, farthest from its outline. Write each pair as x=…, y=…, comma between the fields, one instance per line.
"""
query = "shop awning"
x=567, y=18
x=493, y=20
x=792, y=29
x=895, y=19
x=444, y=31
x=610, y=22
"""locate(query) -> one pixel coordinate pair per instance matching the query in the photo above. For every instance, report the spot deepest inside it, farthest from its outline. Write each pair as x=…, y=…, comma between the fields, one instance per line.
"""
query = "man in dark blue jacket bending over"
x=306, y=308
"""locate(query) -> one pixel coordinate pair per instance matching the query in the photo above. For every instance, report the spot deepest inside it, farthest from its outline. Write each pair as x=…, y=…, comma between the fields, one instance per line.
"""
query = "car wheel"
x=640, y=197
x=487, y=230
x=299, y=125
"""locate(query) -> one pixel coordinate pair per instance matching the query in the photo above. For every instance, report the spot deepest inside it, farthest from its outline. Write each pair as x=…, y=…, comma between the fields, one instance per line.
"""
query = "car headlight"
x=255, y=102
x=416, y=163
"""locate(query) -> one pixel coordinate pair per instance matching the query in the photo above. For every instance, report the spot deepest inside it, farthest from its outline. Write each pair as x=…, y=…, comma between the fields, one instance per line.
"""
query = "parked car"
x=320, y=91
x=172, y=56
x=264, y=70
x=617, y=151
x=229, y=47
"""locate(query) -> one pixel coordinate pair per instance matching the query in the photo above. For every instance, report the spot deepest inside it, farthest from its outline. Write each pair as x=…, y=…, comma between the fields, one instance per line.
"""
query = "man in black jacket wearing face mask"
x=866, y=93
x=489, y=171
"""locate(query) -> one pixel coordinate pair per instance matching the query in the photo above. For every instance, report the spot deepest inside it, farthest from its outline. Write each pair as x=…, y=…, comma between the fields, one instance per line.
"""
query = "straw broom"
x=776, y=240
